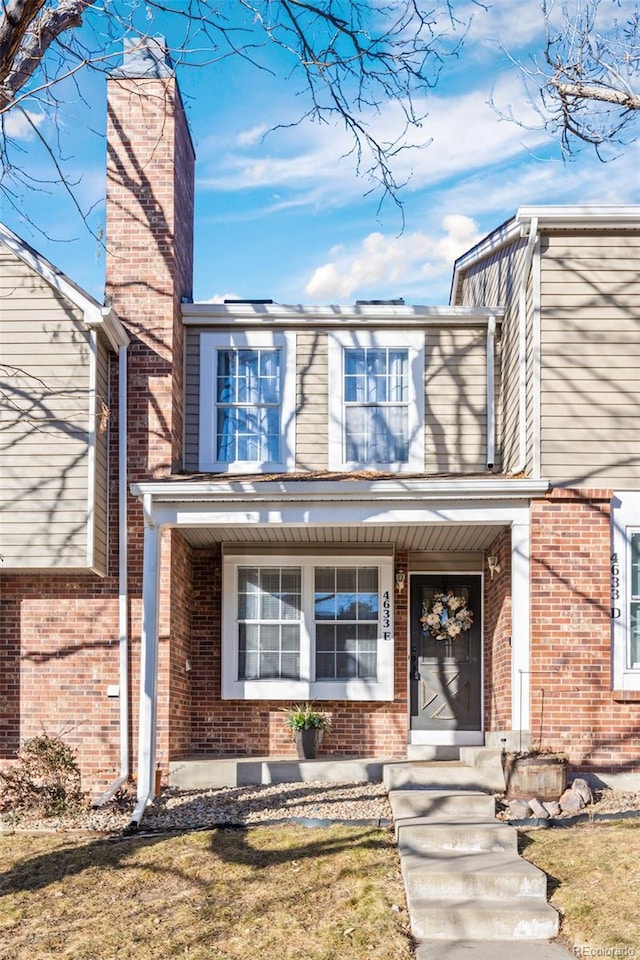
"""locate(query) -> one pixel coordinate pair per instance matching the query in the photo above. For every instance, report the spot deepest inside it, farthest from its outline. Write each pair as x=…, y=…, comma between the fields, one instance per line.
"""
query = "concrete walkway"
x=470, y=895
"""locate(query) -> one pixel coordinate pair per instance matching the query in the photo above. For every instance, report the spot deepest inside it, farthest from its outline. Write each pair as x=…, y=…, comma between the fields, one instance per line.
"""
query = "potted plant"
x=540, y=773
x=308, y=726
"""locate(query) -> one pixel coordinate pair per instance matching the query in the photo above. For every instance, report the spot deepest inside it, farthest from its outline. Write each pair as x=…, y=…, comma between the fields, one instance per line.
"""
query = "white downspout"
x=521, y=464
x=148, y=666
x=491, y=417
x=123, y=590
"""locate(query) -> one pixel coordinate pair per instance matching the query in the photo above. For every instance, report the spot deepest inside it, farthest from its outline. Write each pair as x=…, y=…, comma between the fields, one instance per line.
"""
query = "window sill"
x=350, y=690
x=626, y=696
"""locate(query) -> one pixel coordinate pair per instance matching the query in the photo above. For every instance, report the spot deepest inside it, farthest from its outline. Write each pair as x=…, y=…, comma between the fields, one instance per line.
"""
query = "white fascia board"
x=299, y=491
x=208, y=514
x=616, y=216
x=584, y=215
x=94, y=315
x=198, y=314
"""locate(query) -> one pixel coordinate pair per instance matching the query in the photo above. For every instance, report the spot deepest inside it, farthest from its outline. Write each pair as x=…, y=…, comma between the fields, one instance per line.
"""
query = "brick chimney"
x=149, y=239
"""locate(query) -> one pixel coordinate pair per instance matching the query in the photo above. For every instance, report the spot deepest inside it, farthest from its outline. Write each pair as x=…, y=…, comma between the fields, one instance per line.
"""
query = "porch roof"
x=417, y=513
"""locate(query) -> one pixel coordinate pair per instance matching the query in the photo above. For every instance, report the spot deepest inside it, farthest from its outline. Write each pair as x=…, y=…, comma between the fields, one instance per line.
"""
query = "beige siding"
x=590, y=342
x=101, y=494
x=44, y=410
x=192, y=399
x=496, y=280
x=455, y=409
x=455, y=406
x=312, y=399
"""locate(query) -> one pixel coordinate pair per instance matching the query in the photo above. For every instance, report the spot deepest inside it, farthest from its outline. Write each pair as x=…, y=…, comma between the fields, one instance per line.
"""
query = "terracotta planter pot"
x=542, y=777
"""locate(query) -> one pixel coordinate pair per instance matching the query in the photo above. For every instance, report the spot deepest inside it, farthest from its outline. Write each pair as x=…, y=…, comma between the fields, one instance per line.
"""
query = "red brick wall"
x=59, y=652
x=59, y=634
x=180, y=652
x=497, y=634
x=255, y=727
x=149, y=268
x=572, y=708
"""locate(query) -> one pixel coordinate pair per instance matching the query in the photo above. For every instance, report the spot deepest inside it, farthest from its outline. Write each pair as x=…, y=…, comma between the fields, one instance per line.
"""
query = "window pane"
x=248, y=398
x=376, y=391
x=347, y=649
x=635, y=565
x=377, y=434
x=635, y=636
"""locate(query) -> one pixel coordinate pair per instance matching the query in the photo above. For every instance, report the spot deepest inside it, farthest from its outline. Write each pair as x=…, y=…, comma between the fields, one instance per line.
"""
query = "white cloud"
x=18, y=124
x=247, y=138
x=221, y=297
x=383, y=261
x=316, y=164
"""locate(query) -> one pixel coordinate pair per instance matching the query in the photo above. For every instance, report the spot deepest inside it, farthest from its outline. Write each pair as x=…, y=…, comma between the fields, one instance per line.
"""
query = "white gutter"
x=280, y=314
x=522, y=349
x=491, y=386
x=123, y=589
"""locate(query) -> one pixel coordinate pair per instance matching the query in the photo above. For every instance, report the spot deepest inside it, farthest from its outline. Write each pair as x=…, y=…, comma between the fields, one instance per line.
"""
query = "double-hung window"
x=376, y=400
x=297, y=626
x=625, y=590
x=247, y=401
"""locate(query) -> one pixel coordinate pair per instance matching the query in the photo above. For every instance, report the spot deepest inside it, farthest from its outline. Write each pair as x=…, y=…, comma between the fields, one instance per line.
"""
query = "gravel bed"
x=196, y=809
x=238, y=806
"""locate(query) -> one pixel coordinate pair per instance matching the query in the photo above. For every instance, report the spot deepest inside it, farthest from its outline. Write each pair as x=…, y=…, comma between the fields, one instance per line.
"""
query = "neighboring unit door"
x=446, y=675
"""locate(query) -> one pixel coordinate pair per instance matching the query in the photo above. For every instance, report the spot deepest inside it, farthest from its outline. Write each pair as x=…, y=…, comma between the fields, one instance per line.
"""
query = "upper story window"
x=247, y=401
x=376, y=400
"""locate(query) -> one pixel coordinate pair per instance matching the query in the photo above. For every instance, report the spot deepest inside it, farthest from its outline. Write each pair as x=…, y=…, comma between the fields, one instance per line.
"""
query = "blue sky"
x=284, y=214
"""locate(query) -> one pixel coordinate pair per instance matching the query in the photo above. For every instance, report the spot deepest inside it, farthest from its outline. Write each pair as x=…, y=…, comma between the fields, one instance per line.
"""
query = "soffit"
x=419, y=538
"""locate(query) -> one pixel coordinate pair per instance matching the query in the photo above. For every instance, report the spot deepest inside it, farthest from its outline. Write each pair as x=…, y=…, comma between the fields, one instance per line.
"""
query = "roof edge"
x=93, y=313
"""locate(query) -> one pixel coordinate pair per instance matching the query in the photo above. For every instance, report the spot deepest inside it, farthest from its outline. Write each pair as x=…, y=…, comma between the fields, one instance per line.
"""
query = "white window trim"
x=414, y=342
x=210, y=343
x=625, y=520
x=307, y=687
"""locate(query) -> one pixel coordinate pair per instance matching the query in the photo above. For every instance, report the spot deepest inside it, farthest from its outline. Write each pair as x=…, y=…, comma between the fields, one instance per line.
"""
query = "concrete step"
x=465, y=834
x=482, y=919
x=406, y=804
x=197, y=773
x=451, y=774
x=422, y=751
x=466, y=875
x=491, y=950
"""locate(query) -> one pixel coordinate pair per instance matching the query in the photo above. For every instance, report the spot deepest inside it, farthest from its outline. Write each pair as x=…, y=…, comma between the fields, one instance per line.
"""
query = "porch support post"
x=520, y=618
x=148, y=658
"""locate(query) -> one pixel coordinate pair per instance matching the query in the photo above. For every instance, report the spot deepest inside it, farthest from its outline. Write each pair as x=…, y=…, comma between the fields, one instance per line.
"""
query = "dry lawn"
x=274, y=893
x=594, y=882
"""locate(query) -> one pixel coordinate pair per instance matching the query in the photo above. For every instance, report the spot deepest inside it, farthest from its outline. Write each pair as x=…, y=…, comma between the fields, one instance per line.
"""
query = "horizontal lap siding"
x=101, y=497
x=44, y=408
x=192, y=399
x=312, y=401
x=496, y=280
x=590, y=389
x=455, y=408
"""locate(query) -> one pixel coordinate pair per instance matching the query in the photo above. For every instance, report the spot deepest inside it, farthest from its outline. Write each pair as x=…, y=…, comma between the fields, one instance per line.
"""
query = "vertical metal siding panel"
x=590, y=343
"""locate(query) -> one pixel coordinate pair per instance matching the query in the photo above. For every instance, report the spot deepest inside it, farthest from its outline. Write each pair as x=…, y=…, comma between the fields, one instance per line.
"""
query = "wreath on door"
x=445, y=616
